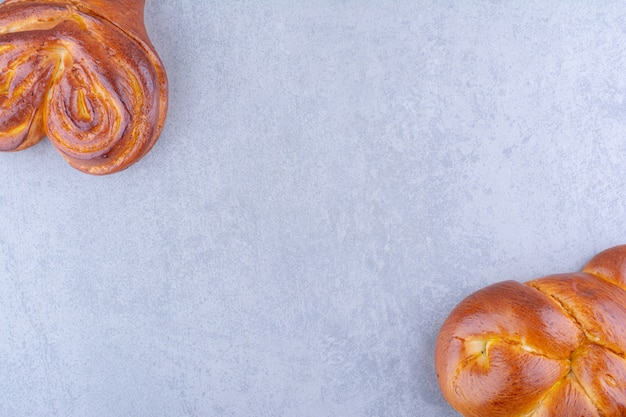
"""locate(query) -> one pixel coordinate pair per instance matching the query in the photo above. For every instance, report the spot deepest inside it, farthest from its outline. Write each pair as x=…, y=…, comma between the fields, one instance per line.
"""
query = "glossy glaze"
x=554, y=346
x=83, y=73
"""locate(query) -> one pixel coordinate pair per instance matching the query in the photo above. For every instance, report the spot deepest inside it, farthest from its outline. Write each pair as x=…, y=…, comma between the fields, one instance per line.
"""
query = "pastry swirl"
x=84, y=74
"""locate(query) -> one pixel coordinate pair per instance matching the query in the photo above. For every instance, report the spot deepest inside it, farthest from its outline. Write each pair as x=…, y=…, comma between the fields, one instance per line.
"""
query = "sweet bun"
x=554, y=346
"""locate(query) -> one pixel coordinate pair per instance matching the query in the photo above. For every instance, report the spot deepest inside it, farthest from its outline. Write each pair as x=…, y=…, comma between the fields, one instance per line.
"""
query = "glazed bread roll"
x=554, y=346
x=84, y=74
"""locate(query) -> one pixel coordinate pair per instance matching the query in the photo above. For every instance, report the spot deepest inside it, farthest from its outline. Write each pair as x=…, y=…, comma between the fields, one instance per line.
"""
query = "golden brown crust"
x=83, y=73
x=566, y=399
x=555, y=346
x=610, y=265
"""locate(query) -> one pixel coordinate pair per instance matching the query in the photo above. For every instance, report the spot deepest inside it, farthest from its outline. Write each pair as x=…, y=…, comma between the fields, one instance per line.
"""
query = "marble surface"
x=332, y=179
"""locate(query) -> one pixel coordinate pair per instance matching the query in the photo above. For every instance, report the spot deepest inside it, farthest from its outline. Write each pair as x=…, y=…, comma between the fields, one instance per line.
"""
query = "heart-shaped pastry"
x=84, y=74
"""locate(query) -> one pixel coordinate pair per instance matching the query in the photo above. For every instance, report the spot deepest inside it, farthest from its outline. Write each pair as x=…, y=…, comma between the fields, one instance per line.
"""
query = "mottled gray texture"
x=332, y=179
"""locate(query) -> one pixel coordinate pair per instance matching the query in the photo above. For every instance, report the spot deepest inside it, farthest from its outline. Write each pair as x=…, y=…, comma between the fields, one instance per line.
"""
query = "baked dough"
x=83, y=73
x=554, y=346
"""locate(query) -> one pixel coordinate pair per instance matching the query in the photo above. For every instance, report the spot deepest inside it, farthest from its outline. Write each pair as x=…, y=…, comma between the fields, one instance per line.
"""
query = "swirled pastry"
x=552, y=347
x=83, y=73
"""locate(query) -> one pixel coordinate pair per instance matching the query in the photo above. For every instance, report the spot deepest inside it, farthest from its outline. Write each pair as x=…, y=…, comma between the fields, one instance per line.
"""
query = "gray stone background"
x=334, y=177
